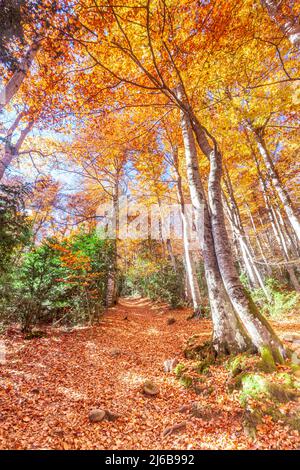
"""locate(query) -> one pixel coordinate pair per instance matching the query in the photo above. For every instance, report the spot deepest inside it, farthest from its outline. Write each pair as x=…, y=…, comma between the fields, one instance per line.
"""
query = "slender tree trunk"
x=251, y=268
x=171, y=254
x=229, y=335
x=259, y=330
x=289, y=267
x=13, y=85
x=258, y=239
x=111, y=293
x=257, y=327
x=11, y=151
x=188, y=259
x=288, y=23
x=245, y=247
x=288, y=236
x=277, y=229
x=240, y=239
x=165, y=241
x=274, y=176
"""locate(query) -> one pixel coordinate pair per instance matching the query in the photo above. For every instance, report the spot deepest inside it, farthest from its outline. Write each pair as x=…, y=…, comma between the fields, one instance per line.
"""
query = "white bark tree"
x=288, y=23
x=13, y=85
x=283, y=195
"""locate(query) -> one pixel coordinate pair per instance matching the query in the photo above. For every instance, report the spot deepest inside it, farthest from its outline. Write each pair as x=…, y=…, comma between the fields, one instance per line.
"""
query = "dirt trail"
x=49, y=385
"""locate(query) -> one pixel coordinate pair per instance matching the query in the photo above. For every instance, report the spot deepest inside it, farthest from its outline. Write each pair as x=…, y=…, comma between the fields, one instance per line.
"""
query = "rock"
x=59, y=432
x=186, y=380
x=175, y=428
x=196, y=348
x=149, y=388
x=170, y=364
x=184, y=408
x=111, y=416
x=202, y=412
x=35, y=334
x=208, y=391
x=203, y=390
x=252, y=418
x=281, y=393
x=96, y=416
x=199, y=389
x=196, y=411
x=236, y=371
x=115, y=352
x=171, y=320
x=267, y=363
x=249, y=431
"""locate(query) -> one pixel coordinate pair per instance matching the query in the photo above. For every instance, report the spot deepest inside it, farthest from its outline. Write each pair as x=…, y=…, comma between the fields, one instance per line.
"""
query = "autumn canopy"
x=149, y=150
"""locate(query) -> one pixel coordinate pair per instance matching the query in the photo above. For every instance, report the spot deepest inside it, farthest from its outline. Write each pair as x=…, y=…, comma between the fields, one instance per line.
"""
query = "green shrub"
x=60, y=281
x=282, y=300
x=155, y=280
x=15, y=230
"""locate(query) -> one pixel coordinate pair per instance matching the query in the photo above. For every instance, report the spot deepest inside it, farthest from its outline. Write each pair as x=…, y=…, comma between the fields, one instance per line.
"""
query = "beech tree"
x=159, y=73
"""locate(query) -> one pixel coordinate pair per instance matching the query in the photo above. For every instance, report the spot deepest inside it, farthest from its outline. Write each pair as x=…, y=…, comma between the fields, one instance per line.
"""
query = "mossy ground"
x=262, y=388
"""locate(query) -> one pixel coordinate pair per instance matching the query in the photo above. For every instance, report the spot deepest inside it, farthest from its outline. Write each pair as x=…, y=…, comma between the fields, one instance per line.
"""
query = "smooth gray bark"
x=288, y=23
x=228, y=333
x=111, y=293
x=13, y=85
x=276, y=181
x=258, y=329
x=193, y=286
x=11, y=151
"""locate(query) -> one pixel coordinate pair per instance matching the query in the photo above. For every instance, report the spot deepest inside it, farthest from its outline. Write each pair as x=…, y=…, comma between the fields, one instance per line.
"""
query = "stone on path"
x=149, y=388
x=96, y=416
x=175, y=428
x=111, y=416
x=170, y=364
x=115, y=352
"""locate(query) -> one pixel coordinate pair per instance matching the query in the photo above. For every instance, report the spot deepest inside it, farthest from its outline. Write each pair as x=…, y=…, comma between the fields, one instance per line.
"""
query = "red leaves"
x=77, y=372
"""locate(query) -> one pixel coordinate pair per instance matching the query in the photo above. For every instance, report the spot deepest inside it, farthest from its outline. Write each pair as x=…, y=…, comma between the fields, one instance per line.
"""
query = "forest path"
x=49, y=386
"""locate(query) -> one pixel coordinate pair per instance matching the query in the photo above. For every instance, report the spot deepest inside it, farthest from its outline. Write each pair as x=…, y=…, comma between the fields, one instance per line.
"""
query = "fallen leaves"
x=49, y=386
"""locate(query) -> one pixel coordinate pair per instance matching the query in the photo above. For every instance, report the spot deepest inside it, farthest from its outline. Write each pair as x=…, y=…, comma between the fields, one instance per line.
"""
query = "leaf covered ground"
x=49, y=385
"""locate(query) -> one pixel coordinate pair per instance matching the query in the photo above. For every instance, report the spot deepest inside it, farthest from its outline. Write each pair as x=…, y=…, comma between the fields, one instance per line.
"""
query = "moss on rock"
x=236, y=365
x=196, y=349
x=179, y=369
x=256, y=386
x=267, y=363
x=186, y=380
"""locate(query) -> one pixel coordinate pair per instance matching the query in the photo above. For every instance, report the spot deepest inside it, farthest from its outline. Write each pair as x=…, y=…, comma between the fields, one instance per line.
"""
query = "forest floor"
x=49, y=385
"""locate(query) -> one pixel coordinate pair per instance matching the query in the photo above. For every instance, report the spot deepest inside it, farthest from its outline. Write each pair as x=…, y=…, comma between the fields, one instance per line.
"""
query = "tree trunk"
x=279, y=236
x=13, y=85
x=289, y=24
x=171, y=254
x=245, y=247
x=11, y=150
x=273, y=174
x=259, y=241
x=258, y=329
x=228, y=333
x=247, y=253
x=294, y=248
x=111, y=293
x=193, y=286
